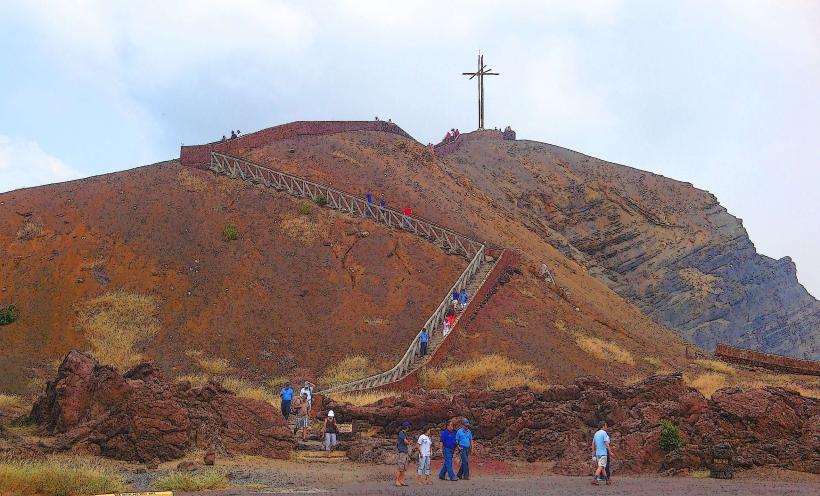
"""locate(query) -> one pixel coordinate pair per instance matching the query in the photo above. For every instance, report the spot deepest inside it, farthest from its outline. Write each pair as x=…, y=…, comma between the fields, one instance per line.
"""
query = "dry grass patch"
x=188, y=180
x=808, y=387
x=215, y=366
x=58, y=476
x=246, y=389
x=187, y=481
x=115, y=323
x=495, y=372
x=10, y=401
x=706, y=383
x=716, y=366
x=29, y=230
x=196, y=380
x=300, y=228
x=365, y=398
x=604, y=350
x=349, y=369
x=652, y=361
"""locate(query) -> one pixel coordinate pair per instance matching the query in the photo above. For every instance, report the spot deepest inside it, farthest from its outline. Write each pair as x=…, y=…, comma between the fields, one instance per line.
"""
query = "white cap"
x=330, y=414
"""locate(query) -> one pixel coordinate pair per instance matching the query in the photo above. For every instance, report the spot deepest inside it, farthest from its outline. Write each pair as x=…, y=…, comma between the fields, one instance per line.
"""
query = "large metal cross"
x=481, y=72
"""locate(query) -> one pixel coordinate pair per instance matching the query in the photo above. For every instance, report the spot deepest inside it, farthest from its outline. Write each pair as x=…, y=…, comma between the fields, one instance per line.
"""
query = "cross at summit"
x=481, y=72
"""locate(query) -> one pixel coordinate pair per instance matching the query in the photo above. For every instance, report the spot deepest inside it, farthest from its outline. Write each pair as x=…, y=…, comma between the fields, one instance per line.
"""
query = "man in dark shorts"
x=402, y=454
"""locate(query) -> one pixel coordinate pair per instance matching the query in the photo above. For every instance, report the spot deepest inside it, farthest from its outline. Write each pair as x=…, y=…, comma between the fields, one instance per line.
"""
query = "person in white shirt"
x=308, y=391
x=425, y=445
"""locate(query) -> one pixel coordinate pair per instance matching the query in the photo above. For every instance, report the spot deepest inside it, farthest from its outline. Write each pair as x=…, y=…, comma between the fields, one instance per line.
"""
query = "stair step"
x=321, y=456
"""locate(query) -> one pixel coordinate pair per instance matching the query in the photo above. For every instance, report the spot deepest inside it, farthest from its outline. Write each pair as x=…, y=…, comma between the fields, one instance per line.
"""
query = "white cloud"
x=153, y=43
x=23, y=163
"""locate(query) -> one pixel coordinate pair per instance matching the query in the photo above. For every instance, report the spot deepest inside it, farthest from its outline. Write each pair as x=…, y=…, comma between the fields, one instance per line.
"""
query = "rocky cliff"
x=665, y=245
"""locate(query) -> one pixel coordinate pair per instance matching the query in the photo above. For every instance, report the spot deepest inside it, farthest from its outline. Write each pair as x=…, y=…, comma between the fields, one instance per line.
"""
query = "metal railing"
x=345, y=202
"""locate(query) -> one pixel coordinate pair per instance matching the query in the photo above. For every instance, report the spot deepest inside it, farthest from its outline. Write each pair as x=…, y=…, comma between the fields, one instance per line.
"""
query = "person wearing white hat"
x=329, y=431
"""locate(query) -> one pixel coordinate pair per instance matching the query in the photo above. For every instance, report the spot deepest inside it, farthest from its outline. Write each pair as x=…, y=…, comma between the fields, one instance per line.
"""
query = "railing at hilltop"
x=344, y=202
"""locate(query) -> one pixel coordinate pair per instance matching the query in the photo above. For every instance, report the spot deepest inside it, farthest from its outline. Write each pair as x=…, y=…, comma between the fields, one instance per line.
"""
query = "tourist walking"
x=600, y=451
x=302, y=415
x=423, y=337
x=407, y=214
x=425, y=446
x=308, y=391
x=464, y=439
x=448, y=447
x=329, y=431
x=456, y=298
x=369, y=198
x=287, y=396
x=402, y=453
x=463, y=298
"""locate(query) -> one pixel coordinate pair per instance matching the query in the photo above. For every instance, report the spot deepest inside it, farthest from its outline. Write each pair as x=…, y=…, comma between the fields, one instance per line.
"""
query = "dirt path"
x=543, y=485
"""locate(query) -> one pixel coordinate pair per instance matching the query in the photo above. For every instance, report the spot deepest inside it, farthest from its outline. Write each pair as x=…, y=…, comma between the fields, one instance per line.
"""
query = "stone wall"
x=767, y=360
x=199, y=155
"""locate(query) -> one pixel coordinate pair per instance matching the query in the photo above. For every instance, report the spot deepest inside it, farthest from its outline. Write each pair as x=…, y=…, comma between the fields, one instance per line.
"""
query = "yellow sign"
x=345, y=428
x=147, y=493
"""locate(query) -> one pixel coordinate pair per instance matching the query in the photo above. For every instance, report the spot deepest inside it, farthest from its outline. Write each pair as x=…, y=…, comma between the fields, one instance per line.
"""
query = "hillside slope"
x=294, y=292
x=562, y=328
x=668, y=247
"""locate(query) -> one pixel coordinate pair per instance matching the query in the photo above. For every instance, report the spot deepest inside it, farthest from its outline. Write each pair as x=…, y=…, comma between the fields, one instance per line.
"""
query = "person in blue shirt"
x=424, y=337
x=463, y=297
x=448, y=446
x=464, y=439
x=403, y=455
x=287, y=395
x=600, y=450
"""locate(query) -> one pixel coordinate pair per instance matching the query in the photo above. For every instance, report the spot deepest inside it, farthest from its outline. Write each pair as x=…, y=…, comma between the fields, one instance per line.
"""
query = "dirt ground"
x=494, y=479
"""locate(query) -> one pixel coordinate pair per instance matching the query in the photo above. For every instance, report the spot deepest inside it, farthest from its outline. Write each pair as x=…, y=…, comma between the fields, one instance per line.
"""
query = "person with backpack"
x=329, y=431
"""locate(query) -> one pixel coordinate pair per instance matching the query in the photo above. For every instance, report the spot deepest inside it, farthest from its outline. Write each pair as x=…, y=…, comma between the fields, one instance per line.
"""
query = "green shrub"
x=8, y=314
x=304, y=208
x=671, y=437
x=321, y=200
x=230, y=233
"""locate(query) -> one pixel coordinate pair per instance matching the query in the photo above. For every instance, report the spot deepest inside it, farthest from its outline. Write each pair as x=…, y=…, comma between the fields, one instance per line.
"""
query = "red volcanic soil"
x=293, y=292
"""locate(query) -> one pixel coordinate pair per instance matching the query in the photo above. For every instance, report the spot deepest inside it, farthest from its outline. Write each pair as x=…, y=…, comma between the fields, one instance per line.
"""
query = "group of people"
x=407, y=212
x=302, y=405
x=234, y=135
x=451, y=136
x=452, y=442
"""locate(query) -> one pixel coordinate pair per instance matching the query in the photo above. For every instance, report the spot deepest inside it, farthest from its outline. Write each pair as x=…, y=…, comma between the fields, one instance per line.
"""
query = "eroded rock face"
x=768, y=426
x=139, y=416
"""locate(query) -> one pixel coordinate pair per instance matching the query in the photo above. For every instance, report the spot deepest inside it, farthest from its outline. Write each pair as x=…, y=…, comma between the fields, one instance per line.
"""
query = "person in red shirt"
x=407, y=214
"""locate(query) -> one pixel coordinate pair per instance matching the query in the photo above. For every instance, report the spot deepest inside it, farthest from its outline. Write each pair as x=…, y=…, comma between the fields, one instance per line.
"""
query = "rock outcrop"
x=138, y=416
x=765, y=427
x=663, y=244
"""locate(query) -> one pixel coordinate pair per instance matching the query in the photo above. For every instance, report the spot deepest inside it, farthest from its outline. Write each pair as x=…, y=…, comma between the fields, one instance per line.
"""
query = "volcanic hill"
x=298, y=291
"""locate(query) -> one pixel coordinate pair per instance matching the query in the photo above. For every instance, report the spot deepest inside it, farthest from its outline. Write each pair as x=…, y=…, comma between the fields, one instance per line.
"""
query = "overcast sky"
x=725, y=95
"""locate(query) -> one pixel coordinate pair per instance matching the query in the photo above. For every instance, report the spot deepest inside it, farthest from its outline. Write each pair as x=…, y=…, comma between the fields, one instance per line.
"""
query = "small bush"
x=187, y=481
x=29, y=230
x=196, y=380
x=8, y=314
x=671, y=438
x=321, y=200
x=245, y=389
x=58, y=476
x=304, y=208
x=230, y=232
